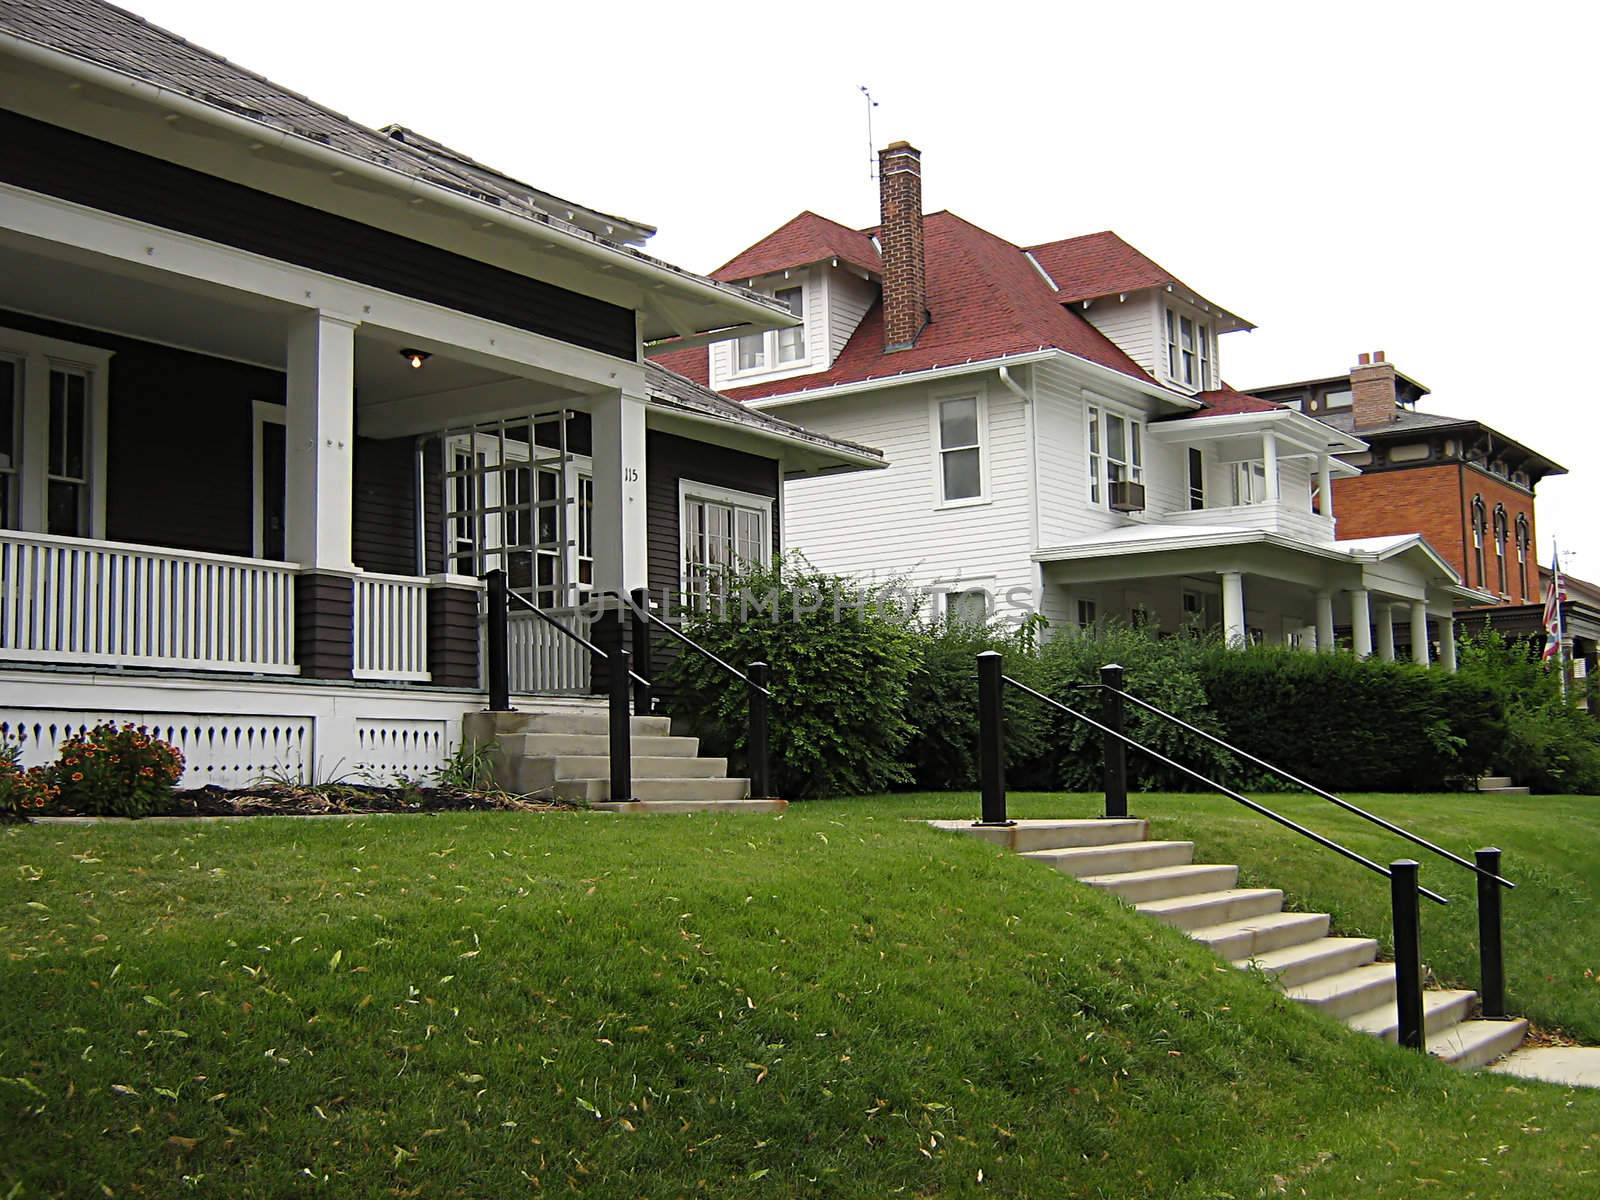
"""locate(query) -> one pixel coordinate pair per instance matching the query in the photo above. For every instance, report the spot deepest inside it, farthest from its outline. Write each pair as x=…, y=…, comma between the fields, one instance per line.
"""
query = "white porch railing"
x=76, y=600
x=391, y=627
x=541, y=657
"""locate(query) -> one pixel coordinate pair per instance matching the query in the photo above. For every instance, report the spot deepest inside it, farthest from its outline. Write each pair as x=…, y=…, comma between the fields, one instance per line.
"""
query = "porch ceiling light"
x=416, y=358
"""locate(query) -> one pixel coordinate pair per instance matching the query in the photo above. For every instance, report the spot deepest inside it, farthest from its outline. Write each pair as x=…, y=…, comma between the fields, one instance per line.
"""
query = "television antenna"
x=872, y=148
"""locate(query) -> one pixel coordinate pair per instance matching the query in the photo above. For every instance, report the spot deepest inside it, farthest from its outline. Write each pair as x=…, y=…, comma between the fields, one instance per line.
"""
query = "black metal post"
x=760, y=773
x=1491, y=949
x=608, y=636
x=639, y=641
x=1115, y=750
x=991, y=739
x=495, y=636
x=1407, y=950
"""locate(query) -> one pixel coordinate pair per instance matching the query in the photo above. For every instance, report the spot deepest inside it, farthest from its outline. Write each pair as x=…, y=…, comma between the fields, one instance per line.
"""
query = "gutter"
x=585, y=245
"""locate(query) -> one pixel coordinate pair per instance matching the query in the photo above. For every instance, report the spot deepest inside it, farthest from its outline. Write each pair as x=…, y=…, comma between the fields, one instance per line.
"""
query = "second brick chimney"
x=905, y=290
x=1373, y=397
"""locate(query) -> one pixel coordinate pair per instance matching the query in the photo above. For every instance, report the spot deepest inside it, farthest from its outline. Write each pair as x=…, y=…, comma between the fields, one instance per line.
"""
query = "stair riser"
x=1220, y=912
x=1138, y=891
x=554, y=745
x=484, y=727
x=1438, y=1020
x=1115, y=859
x=1345, y=958
x=590, y=791
x=692, y=806
x=1260, y=941
x=1077, y=835
x=1485, y=1052
x=538, y=774
x=1358, y=999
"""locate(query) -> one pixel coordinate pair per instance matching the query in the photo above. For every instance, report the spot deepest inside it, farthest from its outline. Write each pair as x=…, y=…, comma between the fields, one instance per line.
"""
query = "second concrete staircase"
x=1338, y=976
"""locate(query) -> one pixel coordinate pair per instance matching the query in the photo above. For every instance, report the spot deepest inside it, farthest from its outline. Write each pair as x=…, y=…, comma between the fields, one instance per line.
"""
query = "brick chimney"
x=1372, y=392
x=905, y=291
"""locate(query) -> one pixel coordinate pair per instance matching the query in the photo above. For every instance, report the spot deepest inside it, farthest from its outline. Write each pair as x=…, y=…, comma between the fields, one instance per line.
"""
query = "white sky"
x=1416, y=178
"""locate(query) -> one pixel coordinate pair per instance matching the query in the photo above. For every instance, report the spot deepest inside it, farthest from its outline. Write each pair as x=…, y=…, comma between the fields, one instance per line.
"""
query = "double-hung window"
x=53, y=397
x=724, y=533
x=781, y=348
x=1480, y=526
x=1188, y=350
x=792, y=341
x=1116, y=451
x=1249, y=483
x=960, y=434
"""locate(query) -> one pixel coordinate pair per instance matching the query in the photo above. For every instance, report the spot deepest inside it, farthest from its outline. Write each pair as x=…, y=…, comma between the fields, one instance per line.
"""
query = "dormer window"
x=779, y=348
x=1189, y=351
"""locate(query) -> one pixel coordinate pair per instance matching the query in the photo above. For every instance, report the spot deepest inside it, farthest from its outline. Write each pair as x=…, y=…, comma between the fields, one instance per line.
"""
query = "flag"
x=1553, y=631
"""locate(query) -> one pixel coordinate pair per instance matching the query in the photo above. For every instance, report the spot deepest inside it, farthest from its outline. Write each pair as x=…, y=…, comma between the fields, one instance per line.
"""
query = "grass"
x=839, y=1002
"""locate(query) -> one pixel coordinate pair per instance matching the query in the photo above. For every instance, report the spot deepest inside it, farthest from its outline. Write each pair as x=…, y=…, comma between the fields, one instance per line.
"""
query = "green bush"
x=1550, y=743
x=23, y=790
x=117, y=771
x=840, y=670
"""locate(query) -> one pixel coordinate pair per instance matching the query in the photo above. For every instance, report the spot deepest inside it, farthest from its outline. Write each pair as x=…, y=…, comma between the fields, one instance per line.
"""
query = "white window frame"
x=1195, y=484
x=1248, y=475
x=983, y=589
x=37, y=356
x=690, y=490
x=1201, y=348
x=1097, y=409
x=936, y=441
x=264, y=413
x=771, y=339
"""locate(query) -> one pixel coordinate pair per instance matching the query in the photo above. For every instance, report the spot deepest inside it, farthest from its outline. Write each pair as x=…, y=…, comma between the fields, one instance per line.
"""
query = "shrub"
x=116, y=771
x=23, y=791
x=841, y=662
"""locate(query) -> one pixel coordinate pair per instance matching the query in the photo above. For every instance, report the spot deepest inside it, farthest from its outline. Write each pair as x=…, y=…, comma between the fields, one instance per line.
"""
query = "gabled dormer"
x=829, y=276
x=1155, y=318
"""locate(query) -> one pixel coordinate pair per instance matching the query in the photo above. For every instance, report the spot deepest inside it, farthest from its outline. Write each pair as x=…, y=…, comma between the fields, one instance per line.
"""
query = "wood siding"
x=383, y=523
x=1135, y=326
x=57, y=162
x=669, y=459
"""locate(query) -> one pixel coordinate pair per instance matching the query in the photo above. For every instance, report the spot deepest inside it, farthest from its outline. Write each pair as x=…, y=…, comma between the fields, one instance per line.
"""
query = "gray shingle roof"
x=1405, y=420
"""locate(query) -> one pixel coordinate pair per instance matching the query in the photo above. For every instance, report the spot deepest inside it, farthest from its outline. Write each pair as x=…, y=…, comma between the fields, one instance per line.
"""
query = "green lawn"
x=838, y=1002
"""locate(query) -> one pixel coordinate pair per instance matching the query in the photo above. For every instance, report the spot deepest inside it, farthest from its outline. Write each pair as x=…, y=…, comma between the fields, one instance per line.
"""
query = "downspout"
x=1032, y=433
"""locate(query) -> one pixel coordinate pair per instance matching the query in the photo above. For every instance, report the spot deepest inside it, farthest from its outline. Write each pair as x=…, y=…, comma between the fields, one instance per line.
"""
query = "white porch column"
x=1325, y=483
x=1233, y=627
x=1269, y=465
x=1361, y=623
x=1447, y=642
x=1308, y=638
x=1419, y=632
x=1386, y=632
x=320, y=440
x=620, y=556
x=1325, y=644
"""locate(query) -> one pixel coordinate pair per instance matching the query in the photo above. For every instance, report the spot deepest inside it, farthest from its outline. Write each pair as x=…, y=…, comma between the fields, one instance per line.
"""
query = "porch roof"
x=141, y=66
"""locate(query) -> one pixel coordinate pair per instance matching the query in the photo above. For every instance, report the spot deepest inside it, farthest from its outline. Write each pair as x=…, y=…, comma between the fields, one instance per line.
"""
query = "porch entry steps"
x=564, y=753
x=1248, y=927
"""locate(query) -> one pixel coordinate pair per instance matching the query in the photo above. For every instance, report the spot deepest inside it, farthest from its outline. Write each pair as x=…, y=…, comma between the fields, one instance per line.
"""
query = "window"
x=1339, y=399
x=1501, y=532
x=1188, y=350
x=780, y=348
x=52, y=451
x=970, y=607
x=1086, y=614
x=1480, y=526
x=1524, y=540
x=721, y=531
x=10, y=440
x=1197, y=479
x=1116, y=451
x=1249, y=483
x=960, y=449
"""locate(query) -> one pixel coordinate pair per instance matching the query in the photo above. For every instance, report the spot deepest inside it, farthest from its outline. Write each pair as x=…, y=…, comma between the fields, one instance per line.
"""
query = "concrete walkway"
x=1575, y=1066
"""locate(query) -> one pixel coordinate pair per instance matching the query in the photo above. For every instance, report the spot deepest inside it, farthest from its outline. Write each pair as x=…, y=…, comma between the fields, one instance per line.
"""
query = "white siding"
x=849, y=297
x=818, y=355
x=888, y=524
x=1134, y=325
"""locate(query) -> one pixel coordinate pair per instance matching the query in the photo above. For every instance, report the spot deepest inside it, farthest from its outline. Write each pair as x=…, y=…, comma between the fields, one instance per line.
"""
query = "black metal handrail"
x=1222, y=789
x=1397, y=830
x=690, y=642
x=572, y=633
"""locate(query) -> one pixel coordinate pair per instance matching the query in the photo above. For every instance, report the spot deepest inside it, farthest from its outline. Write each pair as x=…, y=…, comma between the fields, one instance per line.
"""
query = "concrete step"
x=691, y=806
x=1213, y=908
x=1115, y=858
x=1259, y=935
x=1477, y=1043
x=1506, y=791
x=1347, y=993
x=484, y=727
x=551, y=745
x=595, y=791
x=674, y=766
x=1310, y=961
x=1490, y=782
x=1159, y=883
x=1052, y=834
x=1441, y=1008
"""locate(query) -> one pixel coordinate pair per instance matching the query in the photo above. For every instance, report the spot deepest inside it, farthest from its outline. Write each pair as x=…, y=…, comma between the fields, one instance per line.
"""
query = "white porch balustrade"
x=391, y=627
x=542, y=658
x=74, y=600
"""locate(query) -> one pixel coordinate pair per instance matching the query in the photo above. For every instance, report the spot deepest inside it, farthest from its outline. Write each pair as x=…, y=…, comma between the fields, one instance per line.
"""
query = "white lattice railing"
x=76, y=600
x=542, y=658
x=391, y=627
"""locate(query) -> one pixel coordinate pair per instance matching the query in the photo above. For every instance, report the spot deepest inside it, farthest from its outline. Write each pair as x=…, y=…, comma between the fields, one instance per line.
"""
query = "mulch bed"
x=280, y=800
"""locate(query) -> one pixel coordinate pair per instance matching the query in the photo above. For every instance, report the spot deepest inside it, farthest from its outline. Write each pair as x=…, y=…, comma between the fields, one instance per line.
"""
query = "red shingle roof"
x=804, y=240
x=986, y=298
x=1225, y=401
x=1099, y=264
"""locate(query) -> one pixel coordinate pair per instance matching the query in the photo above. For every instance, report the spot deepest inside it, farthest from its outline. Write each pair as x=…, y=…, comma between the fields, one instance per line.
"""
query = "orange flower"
x=77, y=777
